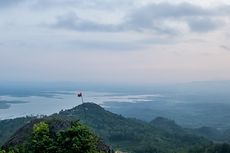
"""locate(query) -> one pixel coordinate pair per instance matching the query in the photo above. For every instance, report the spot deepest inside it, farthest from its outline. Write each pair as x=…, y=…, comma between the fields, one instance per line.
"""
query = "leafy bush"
x=77, y=138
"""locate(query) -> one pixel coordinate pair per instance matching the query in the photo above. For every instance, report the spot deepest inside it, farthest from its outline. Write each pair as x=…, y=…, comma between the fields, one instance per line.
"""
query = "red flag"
x=79, y=94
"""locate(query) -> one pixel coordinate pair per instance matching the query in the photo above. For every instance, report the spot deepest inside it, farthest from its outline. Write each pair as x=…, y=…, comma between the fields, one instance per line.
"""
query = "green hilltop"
x=128, y=135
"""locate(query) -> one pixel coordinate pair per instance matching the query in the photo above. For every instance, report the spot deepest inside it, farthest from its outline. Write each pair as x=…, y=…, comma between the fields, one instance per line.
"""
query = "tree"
x=78, y=139
x=3, y=151
x=41, y=140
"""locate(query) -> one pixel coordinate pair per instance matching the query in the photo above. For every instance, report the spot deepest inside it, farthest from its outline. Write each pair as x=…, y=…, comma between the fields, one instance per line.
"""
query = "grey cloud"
x=47, y=4
x=73, y=22
x=52, y=4
x=225, y=47
x=166, y=10
x=8, y=3
x=146, y=18
x=204, y=24
x=197, y=18
x=150, y=18
x=95, y=4
x=223, y=10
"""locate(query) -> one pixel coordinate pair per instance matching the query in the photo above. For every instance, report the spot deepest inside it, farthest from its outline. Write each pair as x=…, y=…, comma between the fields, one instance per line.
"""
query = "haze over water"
x=191, y=105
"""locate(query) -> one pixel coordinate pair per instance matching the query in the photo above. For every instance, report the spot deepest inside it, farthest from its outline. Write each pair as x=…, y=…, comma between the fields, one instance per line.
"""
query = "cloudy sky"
x=116, y=41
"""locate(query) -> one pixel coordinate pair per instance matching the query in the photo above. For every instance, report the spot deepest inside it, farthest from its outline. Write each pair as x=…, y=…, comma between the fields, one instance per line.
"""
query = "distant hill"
x=166, y=124
x=160, y=135
x=25, y=132
x=9, y=127
x=25, y=136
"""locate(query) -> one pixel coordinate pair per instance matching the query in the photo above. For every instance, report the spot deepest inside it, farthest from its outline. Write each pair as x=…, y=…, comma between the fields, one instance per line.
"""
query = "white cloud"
x=132, y=40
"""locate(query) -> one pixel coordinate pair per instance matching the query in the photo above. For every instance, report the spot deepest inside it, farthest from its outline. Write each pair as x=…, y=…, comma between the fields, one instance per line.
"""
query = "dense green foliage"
x=76, y=139
x=41, y=139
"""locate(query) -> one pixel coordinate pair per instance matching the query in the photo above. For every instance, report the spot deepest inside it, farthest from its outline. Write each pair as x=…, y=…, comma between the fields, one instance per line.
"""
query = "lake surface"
x=53, y=102
x=189, y=107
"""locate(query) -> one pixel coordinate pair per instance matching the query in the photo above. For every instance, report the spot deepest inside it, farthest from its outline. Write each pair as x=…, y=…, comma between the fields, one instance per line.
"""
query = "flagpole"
x=82, y=99
x=84, y=109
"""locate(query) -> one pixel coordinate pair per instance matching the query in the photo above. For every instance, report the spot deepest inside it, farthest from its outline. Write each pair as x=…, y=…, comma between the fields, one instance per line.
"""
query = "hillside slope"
x=131, y=134
x=9, y=127
x=125, y=134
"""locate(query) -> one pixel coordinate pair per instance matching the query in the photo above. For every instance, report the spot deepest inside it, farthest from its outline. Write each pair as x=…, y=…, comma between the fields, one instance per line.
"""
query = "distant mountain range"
x=159, y=136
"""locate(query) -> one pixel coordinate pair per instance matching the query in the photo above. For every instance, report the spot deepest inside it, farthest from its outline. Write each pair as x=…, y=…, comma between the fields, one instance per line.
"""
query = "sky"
x=115, y=41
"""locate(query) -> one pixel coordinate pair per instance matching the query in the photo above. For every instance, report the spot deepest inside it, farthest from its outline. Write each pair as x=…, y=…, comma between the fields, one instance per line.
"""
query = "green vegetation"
x=217, y=148
x=9, y=127
x=77, y=138
x=56, y=133
x=133, y=135
x=41, y=139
